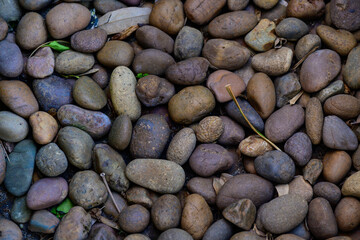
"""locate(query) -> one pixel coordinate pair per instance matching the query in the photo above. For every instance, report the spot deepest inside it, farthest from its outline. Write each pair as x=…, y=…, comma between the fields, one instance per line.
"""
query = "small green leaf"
x=71, y=76
x=141, y=75
x=63, y=208
x=57, y=46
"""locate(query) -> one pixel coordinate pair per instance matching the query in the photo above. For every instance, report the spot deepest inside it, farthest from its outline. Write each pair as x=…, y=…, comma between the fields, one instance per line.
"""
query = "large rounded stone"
x=314, y=120
x=11, y=59
x=116, y=53
x=292, y=29
x=351, y=70
x=152, y=61
x=299, y=147
x=120, y=132
x=345, y=14
x=72, y=63
x=351, y=186
x=31, y=31
x=13, y=128
x=181, y=146
x=188, y=43
x=51, y=161
x=89, y=41
x=342, y=105
x=88, y=94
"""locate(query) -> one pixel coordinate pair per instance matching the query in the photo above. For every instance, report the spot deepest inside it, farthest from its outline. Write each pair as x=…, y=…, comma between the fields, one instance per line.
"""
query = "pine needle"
x=304, y=58
x=228, y=88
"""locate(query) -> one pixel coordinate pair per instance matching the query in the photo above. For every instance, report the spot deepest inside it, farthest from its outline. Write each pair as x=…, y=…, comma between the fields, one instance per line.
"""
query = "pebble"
x=150, y=135
x=334, y=88
x=218, y=80
x=277, y=13
x=109, y=207
x=305, y=44
x=208, y=159
x=340, y=40
x=101, y=77
x=181, y=146
x=314, y=120
x=71, y=63
x=225, y=54
x=152, y=61
x=261, y=94
x=58, y=19
x=89, y=41
x=275, y=166
x=209, y=129
x=122, y=93
x=53, y=92
x=77, y=146
x=102, y=231
x=266, y=4
x=88, y=94
x=9, y=230
x=286, y=87
x=317, y=71
x=175, y=233
x=158, y=175
x=336, y=166
x=3, y=29
x=345, y=14
x=262, y=37
x=13, y=128
x=44, y=127
x=201, y=14
x=242, y=186
x=196, y=216
x=42, y=64
x=232, y=24
x=350, y=187
x=43, y=222
x=329, y=191
x=251, y=235
x=116, y=53
x=337, y=135
x=34, y=4
x=254, y=118
x=288, y=237
x=104, y=7
x=245, y=72
x=120, y=132
x=254, y=146
x=191, y=104
x=134, y=219
x=188, y=43
x=51, y=161
x=283, y=213
x=235, y=5
x=152, y=37
x=301, y=187
x=20, y=213
x=203, y=187
x=306, y=10
x=355, y=159
x=139, y=195
x=76, y=224
x=166, y=212
x=233, y=133
x=312, y=170
x=292, y=29
x=321, y=219
x=347, y=214
x=107, y=160
x=31, y=31
x=20, y=168
x=86, y=189
x=274, y=62
x=10, y=11
x=241, y=213
x=284, y=122
x=191, y=71
x=219, y=230
x=350, y=70
x=299, y=148
x=153, y=90
x=18, y=97
x=95, y=123
x=301, y=231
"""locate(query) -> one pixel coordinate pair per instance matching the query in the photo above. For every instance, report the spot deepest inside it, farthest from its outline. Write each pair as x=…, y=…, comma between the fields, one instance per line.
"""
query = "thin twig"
x=5, y=153
x=102, y=175
x=42, y=45
x=297, y=96
x=304, y=58
x=228, y=88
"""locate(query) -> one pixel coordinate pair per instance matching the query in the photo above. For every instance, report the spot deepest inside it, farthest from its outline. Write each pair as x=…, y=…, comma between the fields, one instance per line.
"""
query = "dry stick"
x=102, y=175
x=228, y=88
x=304, y=57
x=297, y=96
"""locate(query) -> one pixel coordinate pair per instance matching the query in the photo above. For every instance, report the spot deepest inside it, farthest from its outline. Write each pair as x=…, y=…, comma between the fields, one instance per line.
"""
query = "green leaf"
x=63, y=208
x=57, y=46
x=141, y=75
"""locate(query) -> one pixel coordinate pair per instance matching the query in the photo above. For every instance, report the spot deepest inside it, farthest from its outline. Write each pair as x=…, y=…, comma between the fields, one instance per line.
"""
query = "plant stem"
x=102, y=175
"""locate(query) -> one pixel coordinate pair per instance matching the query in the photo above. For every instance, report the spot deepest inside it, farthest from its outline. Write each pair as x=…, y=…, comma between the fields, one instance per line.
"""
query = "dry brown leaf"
x=96, y=214
x=282, y=189
x=217, y=184
x=279, y=42
x=126, y=33
x=297, y=97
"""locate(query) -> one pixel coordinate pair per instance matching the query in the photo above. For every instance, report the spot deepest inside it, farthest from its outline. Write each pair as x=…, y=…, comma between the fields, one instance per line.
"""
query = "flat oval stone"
x=46, y=192
x=152, y=37
x=43, y=221
x=351, y=70
x=219, y=230
x=305, y=44
x=242, y=186
x=88, y=41
x=71, y=62
x=120, y=132
x=158, y=175
x=318, y=71
x=254, y=146
x=34, y=4
x=299, y=147
x=329, y=191
x=53, y=92
x=174, y=233
x=275, y=166
x=203, y=187
x=292, y=29
x=150, y=135
x=11, y=60
x=20, y=168
x=334, y=88
x=284, y=122
x=201, y=14
x=20, y=213
x=233, y=133
x=10, y=230
x=13, y=128
x=51, y=161
x=286, y=87
x=336, y=166
x=351, y=186
x=347, y=214
x=342, y=105
x=314, y=120
x=77, y=146
x=345, y=14
x=254, y=118
x=41, y=64
x=188, y=43
x=262, y=37
x=88, y=94
x=116, y=53
x=44, y=127
x=283, y=213
x=337, y=135
x=18, y=97
x=97, y=124
x=31, y=31
x=166, y=212
x=181, y=146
